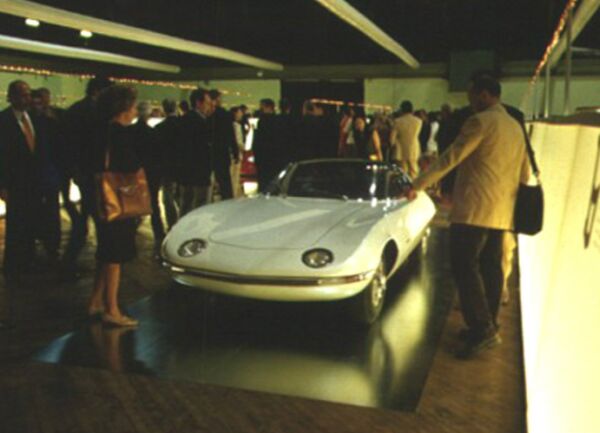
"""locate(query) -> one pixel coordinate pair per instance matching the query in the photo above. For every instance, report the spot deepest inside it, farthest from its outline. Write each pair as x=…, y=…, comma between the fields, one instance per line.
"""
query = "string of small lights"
x=43, y=72
x=351, y=104
x=562, y=22
x=169, y=84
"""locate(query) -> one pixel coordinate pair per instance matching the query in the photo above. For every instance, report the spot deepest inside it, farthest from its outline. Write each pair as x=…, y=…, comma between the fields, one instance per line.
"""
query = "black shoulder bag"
x=529, y=207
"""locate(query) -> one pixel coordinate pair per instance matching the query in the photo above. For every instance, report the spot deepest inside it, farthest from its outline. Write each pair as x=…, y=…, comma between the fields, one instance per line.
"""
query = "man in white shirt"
x=404, y=139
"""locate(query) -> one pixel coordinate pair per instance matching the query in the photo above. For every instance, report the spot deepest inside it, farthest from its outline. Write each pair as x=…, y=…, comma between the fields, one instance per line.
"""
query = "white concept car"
x=328, y=229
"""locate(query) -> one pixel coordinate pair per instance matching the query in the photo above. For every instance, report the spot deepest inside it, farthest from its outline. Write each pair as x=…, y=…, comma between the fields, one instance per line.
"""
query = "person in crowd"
x=383, y=125
x=405, y=138
x=432, y=147
x=49, y=212
x=483, y=205
x=287, y=125
x=157, y=113
x=168, y=136
x=325, y=133
x=265, y=144
x=152, y=163
x=236, y=115
x=246, y=115
x=195, y=173
x=23, y=159
x=345, y=133
x=79, y=127
x=450, y=127
x=116, y=239
x=425, y=130
x=304, y=143
x=224, y=148
x=63, y=156
x=367, y=144
x=184, y=107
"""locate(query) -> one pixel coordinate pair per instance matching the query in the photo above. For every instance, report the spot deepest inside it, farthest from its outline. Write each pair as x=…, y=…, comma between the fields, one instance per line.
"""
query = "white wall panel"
x=560, y=287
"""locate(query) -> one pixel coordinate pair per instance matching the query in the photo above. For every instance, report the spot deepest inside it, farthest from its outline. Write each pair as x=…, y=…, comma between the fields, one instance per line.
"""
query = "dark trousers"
x=158, y=228
x=48, y=222
x=79, y=228
x=21, y=229
x=476, y=258
x=223, y=178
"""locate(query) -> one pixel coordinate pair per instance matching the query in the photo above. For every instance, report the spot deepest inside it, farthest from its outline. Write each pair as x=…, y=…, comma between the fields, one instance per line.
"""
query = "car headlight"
x=317, y=258
x=191, y=248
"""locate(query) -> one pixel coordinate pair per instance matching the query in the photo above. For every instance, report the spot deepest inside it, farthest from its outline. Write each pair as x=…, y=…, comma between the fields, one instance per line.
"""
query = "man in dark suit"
x=147, y=147
x=264, y=145
x=224, y=146
x=168, y=134
x=80, y=125
x=197, y=135
x=22, y=156
x=49, y=216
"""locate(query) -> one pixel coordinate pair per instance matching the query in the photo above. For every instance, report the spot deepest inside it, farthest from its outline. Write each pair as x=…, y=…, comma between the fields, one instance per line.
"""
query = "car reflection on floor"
x=301, y=349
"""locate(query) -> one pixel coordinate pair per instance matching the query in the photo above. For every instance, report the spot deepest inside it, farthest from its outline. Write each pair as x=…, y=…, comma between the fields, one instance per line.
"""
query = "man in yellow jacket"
x=491, y=160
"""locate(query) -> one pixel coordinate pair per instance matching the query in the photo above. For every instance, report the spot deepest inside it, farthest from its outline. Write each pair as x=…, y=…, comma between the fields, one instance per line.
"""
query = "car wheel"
x=367, y=305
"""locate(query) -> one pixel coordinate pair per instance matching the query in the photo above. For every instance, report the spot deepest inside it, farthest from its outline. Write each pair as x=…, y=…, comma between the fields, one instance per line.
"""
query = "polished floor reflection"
x=307, y=350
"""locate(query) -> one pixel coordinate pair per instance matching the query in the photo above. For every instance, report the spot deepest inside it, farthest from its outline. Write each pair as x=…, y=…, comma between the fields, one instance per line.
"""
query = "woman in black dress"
x=116, y=239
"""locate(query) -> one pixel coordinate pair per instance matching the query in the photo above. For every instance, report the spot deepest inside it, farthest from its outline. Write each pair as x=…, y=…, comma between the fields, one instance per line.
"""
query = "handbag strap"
x=530, y=153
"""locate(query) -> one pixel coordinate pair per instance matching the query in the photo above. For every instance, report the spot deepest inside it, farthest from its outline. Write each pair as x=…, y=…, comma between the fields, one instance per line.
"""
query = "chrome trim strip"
x=266, y=280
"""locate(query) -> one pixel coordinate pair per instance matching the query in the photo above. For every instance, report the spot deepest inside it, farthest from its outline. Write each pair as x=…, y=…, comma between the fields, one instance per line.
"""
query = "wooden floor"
x=482, y=395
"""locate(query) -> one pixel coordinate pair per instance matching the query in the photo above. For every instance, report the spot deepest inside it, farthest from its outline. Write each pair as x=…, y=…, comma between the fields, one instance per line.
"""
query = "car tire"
x=367, y=305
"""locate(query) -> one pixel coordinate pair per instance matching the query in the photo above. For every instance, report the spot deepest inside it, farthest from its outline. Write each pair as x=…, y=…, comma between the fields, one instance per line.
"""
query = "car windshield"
x=331, y=179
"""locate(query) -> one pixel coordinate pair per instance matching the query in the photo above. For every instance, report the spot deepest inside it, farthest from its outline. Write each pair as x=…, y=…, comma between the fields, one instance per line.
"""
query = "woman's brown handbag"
x=122, y=195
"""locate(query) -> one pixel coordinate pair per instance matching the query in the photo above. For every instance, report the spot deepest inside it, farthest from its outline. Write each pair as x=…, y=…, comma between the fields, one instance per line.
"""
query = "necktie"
x=28, y=131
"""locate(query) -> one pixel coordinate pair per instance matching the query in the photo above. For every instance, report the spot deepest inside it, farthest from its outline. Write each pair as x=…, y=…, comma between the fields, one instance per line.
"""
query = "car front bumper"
x=272, y=288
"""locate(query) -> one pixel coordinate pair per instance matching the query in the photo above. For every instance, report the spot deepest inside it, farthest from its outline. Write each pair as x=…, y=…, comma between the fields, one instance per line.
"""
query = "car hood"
x=272, y=222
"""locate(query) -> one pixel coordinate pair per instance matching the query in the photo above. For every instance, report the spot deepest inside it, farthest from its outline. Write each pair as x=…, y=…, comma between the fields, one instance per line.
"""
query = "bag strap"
x=530, y=153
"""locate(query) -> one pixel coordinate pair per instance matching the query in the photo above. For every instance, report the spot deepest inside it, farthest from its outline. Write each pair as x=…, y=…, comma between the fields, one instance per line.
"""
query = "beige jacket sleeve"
x=467, y=141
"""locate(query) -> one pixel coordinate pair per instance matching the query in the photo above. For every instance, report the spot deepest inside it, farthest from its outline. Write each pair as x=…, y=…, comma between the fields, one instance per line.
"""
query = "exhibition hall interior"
x=299, y=216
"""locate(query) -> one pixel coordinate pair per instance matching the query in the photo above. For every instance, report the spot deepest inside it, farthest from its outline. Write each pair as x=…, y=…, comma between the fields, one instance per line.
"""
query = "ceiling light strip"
x=12, y=43
x=77, y=21
x=359, y=21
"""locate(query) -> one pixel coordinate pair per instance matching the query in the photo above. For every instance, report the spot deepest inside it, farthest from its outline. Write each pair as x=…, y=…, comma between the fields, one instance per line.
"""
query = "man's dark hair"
x=184, y=105
x=96, y=85
x=115, y=100
x=169, y=105
x=406, y=107
x=36, y=93
x=198, y=95
x=485, y=80
x=346, y=109
x=284, y=105
x=360, y=112
x=268, y=102
x=235, y=109
x=13, y=87
x=214, y=93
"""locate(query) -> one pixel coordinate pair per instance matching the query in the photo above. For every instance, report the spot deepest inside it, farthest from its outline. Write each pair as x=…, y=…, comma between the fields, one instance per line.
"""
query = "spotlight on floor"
x=30, y=22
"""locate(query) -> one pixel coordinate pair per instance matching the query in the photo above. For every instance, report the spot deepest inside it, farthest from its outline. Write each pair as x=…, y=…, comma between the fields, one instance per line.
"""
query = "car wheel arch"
x=390, y=254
